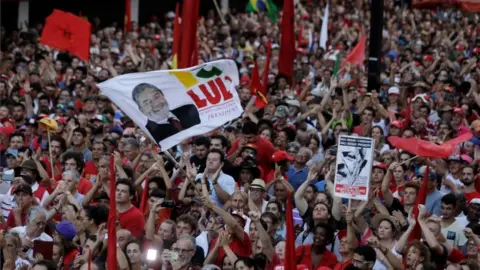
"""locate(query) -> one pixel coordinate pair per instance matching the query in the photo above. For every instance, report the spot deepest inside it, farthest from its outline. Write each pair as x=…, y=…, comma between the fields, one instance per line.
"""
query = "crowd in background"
x=221, y=204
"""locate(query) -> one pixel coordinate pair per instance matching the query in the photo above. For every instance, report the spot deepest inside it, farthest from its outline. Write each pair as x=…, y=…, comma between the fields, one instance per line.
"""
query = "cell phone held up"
x=168, y=204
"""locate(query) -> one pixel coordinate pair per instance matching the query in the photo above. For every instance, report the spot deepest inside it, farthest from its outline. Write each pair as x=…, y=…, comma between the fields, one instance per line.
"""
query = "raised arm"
x=229, y=220
x=299, y=197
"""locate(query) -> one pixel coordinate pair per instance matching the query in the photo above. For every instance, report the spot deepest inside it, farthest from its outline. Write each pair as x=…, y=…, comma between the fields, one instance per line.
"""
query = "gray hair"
x=188, y=238
x=295, y=145
x=307, y=150
x=132, y=142
x=35, y=212
x=75, y=174
x=142, y=87
x=210, y=267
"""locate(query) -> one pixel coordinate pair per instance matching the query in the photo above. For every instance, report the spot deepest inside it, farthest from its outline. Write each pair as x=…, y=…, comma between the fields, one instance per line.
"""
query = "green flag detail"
x=206, y=74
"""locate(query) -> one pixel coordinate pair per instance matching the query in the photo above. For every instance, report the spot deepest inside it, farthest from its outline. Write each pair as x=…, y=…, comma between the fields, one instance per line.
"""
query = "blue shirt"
x=433, y=203
x=296, y=178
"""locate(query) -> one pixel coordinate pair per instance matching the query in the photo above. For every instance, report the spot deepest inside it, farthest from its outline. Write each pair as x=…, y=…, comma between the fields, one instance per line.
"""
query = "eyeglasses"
x=179, y=250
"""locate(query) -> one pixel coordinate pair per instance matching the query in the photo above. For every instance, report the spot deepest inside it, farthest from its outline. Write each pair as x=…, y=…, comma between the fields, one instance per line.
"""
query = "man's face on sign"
x=153, y=104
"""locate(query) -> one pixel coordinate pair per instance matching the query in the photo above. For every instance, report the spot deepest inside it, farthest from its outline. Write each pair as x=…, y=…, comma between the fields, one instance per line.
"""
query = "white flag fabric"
x=173, y=105
x=324, y=31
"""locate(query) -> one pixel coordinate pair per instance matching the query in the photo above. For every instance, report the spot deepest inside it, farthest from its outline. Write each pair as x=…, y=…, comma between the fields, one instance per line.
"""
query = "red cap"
x=244, y=80
x=459, y=47
x=280, y=156
x=403, y=113
x=380, y=165
x=301, y=50
x=61, y=120
x=428, y=58
x=459, y=111
x=476, y=51
x=397, y=123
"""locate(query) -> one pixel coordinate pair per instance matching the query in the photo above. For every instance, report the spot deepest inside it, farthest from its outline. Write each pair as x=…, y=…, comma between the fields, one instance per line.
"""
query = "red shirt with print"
x=90, y=170
x=240, y=248
x=304, y=254
x=132, y=220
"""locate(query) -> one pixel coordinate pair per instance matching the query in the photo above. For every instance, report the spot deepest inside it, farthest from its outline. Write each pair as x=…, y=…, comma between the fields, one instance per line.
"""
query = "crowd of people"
x=221, y=204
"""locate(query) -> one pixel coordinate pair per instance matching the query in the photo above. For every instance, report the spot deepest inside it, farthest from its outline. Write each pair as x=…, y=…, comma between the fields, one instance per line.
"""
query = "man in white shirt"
x=224, y=186
x=34, y=230
x=452, y=229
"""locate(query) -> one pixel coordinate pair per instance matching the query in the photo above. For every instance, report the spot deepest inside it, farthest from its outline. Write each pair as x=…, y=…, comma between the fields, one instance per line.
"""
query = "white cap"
x=293, y=102
x=475, y=201
x=394, y=90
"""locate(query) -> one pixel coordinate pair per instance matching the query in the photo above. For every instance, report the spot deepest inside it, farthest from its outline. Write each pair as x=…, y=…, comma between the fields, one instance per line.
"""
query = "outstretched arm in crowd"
x=222, y=241
x=337, y=201
x=268, y=248
x=229, y=220
x=429, y=237
x=387, y=194
x=150, y=233
x=403, y=240
x=299, y=197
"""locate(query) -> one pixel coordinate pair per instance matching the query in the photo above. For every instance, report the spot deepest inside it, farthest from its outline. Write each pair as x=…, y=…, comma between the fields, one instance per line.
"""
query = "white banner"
x=173, y=105
x=354, y=167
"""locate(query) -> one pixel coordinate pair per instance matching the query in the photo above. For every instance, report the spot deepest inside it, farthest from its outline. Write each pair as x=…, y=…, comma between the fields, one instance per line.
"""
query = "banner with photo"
x=354, y=167
x=173, y=105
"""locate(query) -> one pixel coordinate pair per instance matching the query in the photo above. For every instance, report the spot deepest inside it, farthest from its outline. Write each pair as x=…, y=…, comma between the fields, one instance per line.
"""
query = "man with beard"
x=97, y=127
x=185, y=250
x=58, y=146
x=91, y=167
x=90, y=107
x=19, y=113
x=163, y=123
x=468, y=180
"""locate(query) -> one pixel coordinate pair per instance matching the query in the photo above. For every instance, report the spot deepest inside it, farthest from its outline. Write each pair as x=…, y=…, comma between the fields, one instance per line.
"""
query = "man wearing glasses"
x=34, y=230
x=364, y=257
x=181, y=255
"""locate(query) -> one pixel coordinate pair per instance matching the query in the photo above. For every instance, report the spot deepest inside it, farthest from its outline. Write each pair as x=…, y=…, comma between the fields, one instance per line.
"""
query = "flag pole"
x=50, y=153
x=218, y=11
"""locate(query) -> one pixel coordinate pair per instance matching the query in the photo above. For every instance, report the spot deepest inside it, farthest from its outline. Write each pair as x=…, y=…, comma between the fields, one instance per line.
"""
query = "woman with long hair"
x=378, y=136
x=64, y=234
x=417, y=256
x=11, y=246
x=134, y=255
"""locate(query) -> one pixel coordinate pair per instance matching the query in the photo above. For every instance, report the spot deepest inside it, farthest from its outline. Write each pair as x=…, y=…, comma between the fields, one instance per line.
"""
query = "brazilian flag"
x=266, y=6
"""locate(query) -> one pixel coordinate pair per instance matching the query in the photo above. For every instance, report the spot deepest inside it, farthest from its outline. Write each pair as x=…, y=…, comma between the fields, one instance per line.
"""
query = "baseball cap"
x=380, y=165
x=394, y=90
x=281, y=111
x=12, y=152
x=475, y=201
x=66, y=230
x=459, y=111
x=293, y=102
x=7, y=130
x=396, y=123
x=466, y=158
x=24, y=188
x=258, y=183
x=280, y=156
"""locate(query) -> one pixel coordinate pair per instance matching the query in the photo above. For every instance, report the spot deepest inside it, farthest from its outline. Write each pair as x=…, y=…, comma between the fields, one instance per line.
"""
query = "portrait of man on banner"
x=163, y=122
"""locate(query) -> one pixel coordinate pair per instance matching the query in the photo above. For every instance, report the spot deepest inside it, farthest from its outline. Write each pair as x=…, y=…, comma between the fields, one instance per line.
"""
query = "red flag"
x=290, y=256
x=144, y=201
x=287, y=43
x=112, y=218
x=128, y=16
x=177, y=35
x=266, y=70
x=256, y=88
x=357, y=55
x=421, y=199
x=426, y=148
x=67, y=32
x=194, y=60
x=189, y=32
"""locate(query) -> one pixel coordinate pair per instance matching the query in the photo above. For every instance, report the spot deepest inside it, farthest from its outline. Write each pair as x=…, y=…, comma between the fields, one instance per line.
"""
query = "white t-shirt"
x=454, y=234
x=22, y=232
x=444, y=189
x=202, y=241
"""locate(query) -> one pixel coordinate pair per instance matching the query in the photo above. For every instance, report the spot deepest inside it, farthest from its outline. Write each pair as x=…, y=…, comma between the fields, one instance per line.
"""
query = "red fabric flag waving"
x=256, y=88
x=112, y=218
x=144, y=201
x=67, y=32
x=176, y=37
x=421, y=199
x=189, y=32
x=290, y=256
x=128, y=16
x=357, y=55
x=287, y=43
x=428, y=149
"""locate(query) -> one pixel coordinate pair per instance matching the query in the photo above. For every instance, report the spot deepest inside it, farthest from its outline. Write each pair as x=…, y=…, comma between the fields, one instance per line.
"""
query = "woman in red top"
x=317, y=254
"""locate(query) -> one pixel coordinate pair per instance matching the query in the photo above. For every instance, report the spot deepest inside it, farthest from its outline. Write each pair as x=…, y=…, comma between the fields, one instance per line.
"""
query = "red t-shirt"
x=11, y=220
x=84, y=186
x=69, y=258
x=48, y=167
x=240, y=248
x=472, y=195
x=265, y=150
x=342, y=266
x=132, y=220
x=456, y=256
x=90, y=171
x=304, y=255
x=271, y=264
